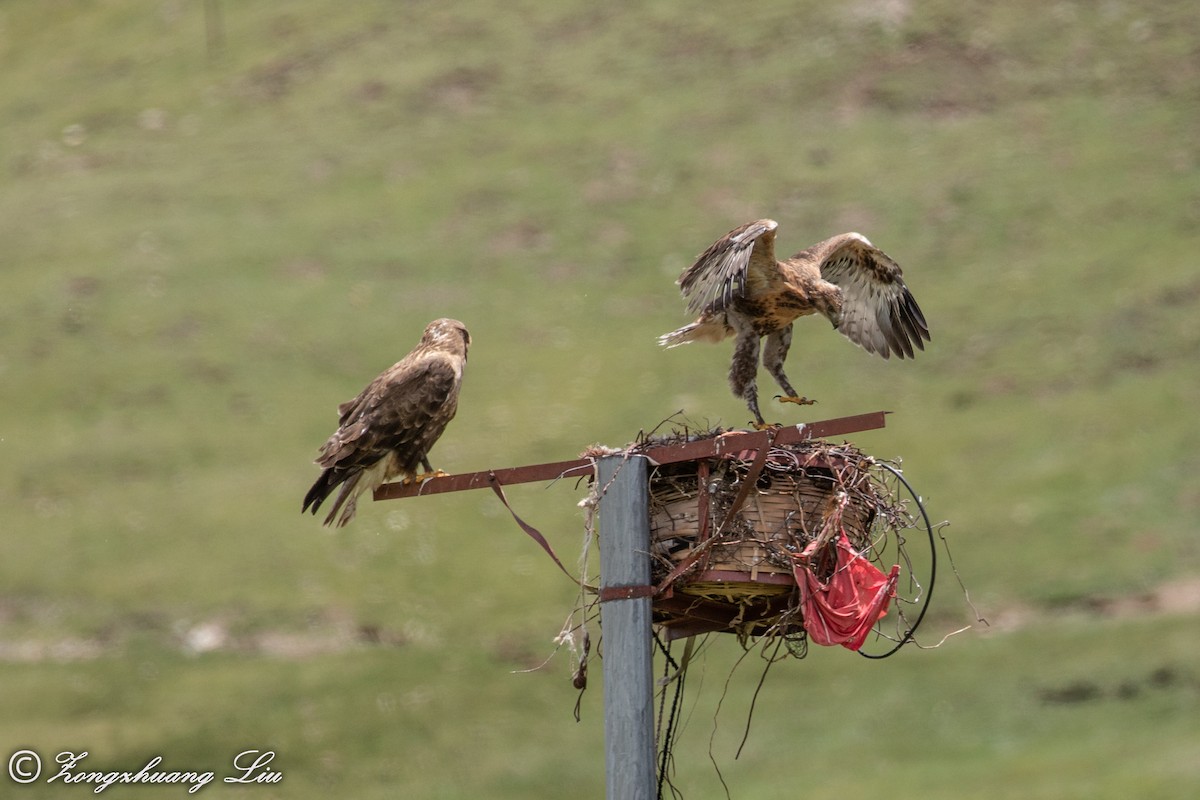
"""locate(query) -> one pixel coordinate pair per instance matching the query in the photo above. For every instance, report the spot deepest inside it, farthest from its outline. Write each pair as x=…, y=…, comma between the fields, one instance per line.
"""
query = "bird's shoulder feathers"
x=395, y=408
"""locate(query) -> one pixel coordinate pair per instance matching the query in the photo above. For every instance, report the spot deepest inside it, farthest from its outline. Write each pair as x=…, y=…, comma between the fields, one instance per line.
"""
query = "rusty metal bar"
x=482, y=480
x=731, y=442
x=737, y=441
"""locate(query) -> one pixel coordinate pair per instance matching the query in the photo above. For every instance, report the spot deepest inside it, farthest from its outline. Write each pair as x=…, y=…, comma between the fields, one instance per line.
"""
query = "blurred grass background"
x=210, y=241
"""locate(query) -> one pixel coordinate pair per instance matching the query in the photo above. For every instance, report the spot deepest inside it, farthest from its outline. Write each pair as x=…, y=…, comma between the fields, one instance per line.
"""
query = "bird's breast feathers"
x=774, y=310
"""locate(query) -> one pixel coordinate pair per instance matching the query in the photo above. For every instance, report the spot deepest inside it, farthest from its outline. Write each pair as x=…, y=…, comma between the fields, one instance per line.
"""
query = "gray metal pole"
x=625, y=623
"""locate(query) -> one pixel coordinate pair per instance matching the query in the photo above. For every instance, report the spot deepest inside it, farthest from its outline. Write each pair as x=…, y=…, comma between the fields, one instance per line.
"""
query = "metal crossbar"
x=731, y=442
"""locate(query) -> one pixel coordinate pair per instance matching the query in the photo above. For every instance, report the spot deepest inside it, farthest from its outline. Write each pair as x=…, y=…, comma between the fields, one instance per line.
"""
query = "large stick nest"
x=728, y=566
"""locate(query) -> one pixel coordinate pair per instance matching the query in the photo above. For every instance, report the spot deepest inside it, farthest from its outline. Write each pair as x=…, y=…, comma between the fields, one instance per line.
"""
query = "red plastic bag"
x=843, y=609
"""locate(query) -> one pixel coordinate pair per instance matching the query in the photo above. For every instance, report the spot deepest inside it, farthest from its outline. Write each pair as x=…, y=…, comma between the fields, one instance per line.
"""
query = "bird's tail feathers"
x=348, y=497
x=324, y=486
x=702, y=330
x=319, y=491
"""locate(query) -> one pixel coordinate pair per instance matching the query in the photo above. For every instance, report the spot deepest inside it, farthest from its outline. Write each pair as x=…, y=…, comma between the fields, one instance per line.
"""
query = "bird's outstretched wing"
x=720, y=273
x=878, y=311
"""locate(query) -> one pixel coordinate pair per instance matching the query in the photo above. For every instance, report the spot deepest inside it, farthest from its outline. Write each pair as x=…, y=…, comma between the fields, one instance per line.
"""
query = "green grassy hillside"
x=215, y=229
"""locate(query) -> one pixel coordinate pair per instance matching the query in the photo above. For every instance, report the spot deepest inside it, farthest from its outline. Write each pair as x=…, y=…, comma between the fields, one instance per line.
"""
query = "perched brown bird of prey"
x=387, y=431
x=739, y=289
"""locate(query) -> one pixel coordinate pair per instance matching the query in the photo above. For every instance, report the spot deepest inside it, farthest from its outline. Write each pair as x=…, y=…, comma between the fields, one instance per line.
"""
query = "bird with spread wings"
x=739, y=289
x=388, y=430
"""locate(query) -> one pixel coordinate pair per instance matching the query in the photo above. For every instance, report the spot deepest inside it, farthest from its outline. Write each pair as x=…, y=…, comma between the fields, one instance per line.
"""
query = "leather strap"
x=533, y=532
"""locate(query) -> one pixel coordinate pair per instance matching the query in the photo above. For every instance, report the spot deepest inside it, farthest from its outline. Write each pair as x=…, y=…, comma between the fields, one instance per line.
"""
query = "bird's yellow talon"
x=800, y=401
x=424, y=476
x=766, y=426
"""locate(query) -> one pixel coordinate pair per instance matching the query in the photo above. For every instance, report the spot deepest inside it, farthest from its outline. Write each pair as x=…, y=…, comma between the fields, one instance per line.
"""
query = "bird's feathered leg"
x=743, y=370
x=774, y=353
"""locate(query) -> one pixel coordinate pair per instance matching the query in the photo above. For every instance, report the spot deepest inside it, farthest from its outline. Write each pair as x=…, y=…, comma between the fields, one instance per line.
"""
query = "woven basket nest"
x=736, y=574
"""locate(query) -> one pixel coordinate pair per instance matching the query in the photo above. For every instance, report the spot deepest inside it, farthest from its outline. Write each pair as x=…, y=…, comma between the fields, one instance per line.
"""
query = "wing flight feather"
x=878, y=311
x=720, y=273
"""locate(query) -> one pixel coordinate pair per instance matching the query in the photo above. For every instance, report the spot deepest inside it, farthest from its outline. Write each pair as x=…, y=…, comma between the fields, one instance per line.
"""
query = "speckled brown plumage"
x=388, y=429
x=739, y=289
